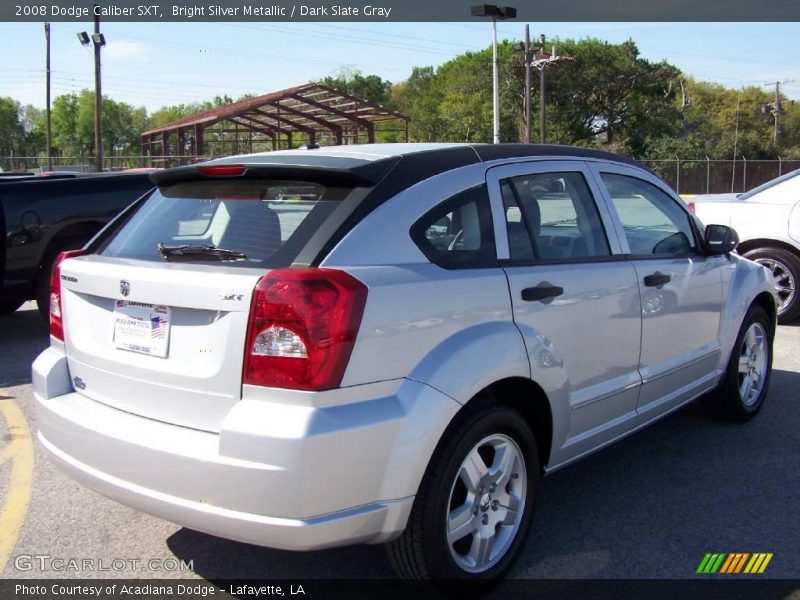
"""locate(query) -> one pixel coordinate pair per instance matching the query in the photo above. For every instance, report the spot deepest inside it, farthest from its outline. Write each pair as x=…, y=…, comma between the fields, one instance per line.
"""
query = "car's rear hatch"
x=160, y=331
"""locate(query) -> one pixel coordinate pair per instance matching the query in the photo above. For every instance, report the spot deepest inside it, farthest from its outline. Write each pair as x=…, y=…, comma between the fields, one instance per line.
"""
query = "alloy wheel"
x=782, y=280
x=753, y=361
x=486, y=505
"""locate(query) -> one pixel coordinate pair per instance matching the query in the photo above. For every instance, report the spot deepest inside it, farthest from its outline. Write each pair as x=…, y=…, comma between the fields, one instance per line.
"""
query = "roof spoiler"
x=354, y=173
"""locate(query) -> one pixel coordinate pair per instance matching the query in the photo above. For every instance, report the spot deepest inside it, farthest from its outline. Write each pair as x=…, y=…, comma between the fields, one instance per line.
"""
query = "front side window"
x=552, y=216
x=458, y=234
x=654, y=224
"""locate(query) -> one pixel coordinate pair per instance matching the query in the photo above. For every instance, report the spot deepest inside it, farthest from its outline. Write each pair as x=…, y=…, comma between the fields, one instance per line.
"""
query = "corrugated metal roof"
x=312, y=106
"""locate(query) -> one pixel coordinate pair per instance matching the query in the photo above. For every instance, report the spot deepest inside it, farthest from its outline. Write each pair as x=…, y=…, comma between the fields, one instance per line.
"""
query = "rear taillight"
x=56, y=312
x=691, y=207
x=303, y=324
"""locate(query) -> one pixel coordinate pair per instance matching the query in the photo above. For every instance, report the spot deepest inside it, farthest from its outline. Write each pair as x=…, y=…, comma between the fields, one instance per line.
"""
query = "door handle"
x=541, y=292
x=656, y=279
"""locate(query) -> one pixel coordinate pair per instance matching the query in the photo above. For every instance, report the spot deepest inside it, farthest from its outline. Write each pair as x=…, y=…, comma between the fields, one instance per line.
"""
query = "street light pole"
x=495, y=12
x=98, y=40
x=49, y=114
x=98, y=98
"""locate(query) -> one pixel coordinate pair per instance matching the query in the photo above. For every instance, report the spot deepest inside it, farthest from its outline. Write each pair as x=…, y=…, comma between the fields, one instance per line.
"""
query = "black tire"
x=43, y=287
x=726, y=402
x=422, y=553
x=9, y=307
x=786, y=264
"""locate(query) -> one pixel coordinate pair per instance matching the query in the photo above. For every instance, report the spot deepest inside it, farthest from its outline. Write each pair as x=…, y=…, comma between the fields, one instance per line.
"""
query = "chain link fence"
x=719, y=176
x=86, y=164
x=685, y=176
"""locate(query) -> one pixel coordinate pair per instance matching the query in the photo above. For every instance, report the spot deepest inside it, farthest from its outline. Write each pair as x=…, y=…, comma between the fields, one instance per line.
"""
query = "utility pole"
x=777, y=132
x=98, y=95
x=495, y=86
x=527, y=84
x=49, y=129
x=542, y=62
x=685, y=104
x=525, y=48
x=775, y=109
x=736, y=140
x=542, y=126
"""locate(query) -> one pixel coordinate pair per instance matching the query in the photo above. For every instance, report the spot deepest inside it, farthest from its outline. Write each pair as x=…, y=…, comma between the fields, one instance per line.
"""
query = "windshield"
x=769, y=184
x=242, y=223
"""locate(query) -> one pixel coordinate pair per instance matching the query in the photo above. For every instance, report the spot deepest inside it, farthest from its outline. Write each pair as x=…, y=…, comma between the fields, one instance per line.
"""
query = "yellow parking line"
x=20, y=451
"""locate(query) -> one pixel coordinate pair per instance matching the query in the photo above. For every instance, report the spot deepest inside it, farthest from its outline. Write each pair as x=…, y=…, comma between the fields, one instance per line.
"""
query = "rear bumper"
x=282, y=475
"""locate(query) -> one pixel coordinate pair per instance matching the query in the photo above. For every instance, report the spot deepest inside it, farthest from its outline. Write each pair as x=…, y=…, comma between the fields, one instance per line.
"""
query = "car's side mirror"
x=721, y=239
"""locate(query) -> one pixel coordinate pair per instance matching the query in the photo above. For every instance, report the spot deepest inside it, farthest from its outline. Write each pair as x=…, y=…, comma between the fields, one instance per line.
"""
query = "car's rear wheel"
x=785, y=270
x=474, y=505
x=744, y=386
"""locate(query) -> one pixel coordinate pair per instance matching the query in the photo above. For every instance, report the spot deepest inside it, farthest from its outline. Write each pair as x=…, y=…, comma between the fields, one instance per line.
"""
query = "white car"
x=767, y=219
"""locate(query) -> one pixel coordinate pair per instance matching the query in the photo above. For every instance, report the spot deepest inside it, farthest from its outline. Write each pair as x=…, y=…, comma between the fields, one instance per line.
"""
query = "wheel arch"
x=77, y=232
x=748, y=285
x=756, y=243
x=529, y=399
x=767, y=302
x=526, y=397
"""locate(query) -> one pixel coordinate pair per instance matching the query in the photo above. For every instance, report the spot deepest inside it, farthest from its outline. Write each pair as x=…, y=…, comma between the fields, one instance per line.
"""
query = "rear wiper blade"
x=187, y=252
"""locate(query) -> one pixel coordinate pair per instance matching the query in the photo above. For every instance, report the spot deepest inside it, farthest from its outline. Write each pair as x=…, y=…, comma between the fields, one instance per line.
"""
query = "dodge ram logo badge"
x=124, y=288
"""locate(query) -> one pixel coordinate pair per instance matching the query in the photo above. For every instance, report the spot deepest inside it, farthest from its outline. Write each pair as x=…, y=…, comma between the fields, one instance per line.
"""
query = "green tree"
x=353, y=82
x=34, y=131
x=64, y=117
x=608, y=95
x=11, y=129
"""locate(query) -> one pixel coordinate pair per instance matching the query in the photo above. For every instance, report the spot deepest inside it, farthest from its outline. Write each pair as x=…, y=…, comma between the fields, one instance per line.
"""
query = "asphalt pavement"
x=650, y=506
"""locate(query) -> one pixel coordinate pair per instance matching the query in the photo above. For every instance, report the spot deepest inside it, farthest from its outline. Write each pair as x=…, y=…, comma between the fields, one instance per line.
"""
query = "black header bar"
x=396, y=10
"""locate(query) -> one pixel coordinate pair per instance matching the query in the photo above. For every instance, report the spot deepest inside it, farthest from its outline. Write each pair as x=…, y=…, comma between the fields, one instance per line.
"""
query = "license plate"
x=142, y=327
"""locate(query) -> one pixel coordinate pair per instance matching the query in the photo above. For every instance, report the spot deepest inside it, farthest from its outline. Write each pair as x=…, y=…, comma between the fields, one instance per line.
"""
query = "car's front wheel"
x=744, y=385
x=785, y=270
x=473, y=508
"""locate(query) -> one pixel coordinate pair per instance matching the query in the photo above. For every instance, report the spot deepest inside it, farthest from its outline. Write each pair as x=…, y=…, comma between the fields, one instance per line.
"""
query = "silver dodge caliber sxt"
x=389, y=343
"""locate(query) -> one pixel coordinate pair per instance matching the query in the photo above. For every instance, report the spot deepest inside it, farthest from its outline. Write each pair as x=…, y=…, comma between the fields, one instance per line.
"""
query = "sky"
x=156, y=64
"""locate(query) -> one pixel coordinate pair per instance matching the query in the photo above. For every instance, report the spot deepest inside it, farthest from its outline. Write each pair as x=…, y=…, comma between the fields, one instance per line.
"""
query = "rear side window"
x=458, y=233
x=243, y=223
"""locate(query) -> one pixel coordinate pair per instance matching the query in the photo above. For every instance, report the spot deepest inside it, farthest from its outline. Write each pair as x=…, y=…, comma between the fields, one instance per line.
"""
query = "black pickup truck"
x=45, y=216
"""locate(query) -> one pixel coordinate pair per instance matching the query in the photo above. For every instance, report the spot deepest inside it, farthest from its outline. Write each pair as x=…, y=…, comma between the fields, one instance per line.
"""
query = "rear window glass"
x=241, y=223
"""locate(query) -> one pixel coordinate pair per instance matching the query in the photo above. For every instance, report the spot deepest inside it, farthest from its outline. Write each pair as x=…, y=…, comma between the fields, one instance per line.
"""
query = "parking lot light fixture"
x=502, y=13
